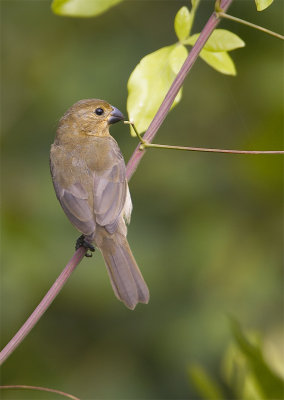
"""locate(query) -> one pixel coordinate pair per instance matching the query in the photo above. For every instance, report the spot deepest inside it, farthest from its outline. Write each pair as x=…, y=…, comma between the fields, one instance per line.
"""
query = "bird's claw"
x=82, y=242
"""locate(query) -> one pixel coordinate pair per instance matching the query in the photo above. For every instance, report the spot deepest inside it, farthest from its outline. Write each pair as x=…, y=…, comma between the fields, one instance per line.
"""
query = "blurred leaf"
x=263, y=4
x=82, y=8
x=220, y=40
x=234, y=367
x=238, y=376
x=270, y=384
x=183, y=23
x=251, y=389
x=204, y=384
x=221, y=61
x=149, y=83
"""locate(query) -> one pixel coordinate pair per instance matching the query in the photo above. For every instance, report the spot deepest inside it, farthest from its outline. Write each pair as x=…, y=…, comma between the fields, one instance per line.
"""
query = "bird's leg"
x=82, y=242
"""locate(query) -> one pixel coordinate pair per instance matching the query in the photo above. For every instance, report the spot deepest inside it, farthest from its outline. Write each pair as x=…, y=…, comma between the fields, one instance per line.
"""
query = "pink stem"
x=43, y=305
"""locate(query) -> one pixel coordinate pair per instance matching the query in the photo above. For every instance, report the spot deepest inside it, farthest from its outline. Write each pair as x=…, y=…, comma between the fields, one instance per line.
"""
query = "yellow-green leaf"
x=204, y=384
x=221, y=61
x=191, y=40
x=149, y=83
x=220, y=40
x=177, y=57
x=262, y=4
x=183, y=23
x=270, y=383
x=82, y=8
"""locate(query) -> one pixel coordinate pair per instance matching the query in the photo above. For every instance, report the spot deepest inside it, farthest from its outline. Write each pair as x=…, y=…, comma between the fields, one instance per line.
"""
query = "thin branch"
x=163, y=146
x=41, y=389
x=131, y=167
x=242, y=21
x=144, y=145
x=43, y=305
x=174, y=89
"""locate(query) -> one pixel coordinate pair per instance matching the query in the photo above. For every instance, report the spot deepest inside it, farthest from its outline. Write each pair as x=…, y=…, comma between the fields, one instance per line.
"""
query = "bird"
x=89, y=177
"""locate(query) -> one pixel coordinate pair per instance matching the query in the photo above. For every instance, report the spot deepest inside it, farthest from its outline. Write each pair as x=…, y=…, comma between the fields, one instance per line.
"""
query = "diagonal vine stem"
x=43, y=305
x=131, y=167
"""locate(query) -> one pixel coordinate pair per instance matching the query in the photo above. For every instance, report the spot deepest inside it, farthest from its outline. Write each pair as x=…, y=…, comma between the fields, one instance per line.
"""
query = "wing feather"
x=74, y=202
x=110, y=189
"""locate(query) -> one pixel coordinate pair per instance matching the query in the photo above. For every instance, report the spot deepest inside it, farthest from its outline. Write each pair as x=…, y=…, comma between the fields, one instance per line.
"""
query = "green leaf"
x=263, y=4
x=149, y=83
x=238, y=376
x=204, y=384
x=82, y=8
x=220, y=40
x=221, y=61
x=271, y=385
x=177, y=58
x=183, y=23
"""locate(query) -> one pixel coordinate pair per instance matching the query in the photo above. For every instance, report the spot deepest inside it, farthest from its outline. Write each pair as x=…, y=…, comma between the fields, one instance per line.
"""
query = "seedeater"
x=88, y=173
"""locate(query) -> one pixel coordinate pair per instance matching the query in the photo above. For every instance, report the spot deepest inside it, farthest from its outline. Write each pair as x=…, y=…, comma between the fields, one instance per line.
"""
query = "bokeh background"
x=206, y=229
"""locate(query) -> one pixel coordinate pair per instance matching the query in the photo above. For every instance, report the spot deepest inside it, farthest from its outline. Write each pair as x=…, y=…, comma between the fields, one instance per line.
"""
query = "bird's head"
x=90, y=117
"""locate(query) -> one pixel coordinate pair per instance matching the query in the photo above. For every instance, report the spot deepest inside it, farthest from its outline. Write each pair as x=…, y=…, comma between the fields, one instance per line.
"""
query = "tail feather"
x=126, y=279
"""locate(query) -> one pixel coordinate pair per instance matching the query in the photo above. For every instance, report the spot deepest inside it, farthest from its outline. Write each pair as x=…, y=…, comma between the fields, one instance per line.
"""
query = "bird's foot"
x=82, y=242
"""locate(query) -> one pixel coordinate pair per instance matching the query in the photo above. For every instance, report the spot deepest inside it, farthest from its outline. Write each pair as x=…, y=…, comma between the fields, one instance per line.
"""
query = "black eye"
x=99, y=111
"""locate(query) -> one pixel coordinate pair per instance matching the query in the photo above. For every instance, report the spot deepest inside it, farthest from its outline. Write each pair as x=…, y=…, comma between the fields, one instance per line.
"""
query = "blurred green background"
x=206, y=229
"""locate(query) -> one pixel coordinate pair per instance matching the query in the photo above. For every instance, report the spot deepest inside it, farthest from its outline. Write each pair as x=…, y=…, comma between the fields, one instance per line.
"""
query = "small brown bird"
x=88, y=173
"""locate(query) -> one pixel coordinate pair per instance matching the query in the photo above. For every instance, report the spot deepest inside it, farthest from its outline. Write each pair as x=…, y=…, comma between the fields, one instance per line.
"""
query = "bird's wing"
x=74, y=201
x=110, y=188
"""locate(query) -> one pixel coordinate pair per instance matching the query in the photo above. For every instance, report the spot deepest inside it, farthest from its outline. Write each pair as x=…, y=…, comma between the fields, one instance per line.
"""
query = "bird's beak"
x=115, y=116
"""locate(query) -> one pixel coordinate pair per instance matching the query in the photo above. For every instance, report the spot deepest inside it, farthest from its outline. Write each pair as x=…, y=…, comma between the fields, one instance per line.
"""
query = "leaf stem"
x=208, y=150
x=43, y=305
x=242, y=21
x=145, y=144
x=41, y=389
x=193, y=10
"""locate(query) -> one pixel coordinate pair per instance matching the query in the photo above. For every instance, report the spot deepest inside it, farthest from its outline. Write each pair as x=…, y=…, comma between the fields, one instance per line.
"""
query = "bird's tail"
x=125, y=277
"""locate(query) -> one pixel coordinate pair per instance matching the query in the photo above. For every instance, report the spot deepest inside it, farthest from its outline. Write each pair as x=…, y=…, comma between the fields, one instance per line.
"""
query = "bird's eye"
x=99, y=111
